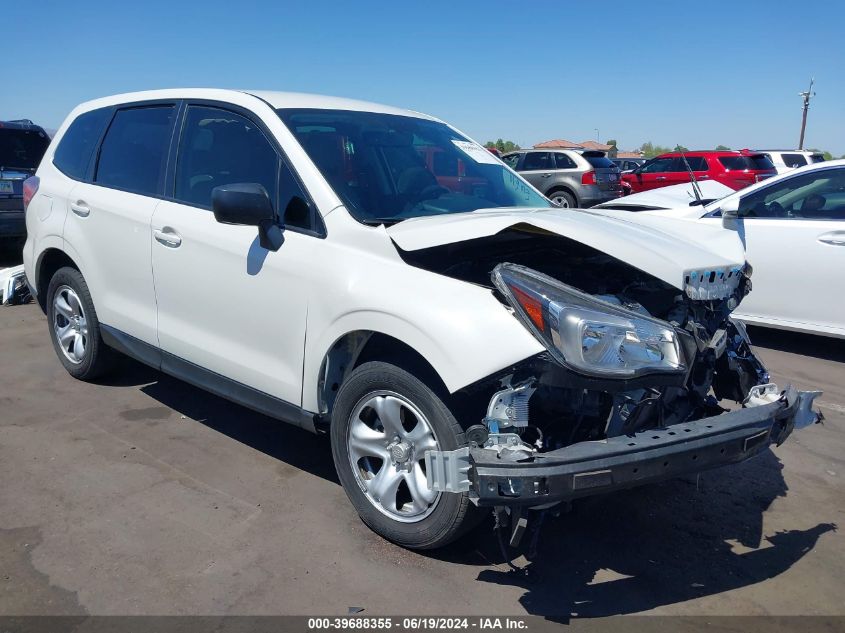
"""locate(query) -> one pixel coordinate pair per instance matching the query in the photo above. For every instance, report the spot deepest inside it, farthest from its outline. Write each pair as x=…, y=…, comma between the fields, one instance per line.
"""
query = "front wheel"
x=384, y=420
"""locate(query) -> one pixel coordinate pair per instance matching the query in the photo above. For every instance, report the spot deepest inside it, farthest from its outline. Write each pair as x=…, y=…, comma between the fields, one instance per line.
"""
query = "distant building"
x=592, y=145
x=636, y=154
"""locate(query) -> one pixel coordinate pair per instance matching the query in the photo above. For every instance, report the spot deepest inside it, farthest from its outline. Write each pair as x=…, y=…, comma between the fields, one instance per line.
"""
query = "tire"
x=70, y=310
x=402, y=516
x=563, y=199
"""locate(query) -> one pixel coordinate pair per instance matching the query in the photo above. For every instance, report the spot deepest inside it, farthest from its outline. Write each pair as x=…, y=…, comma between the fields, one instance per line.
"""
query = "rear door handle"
x=661, y=178
x=546, y=176
x=168, y=237
x=80, y=209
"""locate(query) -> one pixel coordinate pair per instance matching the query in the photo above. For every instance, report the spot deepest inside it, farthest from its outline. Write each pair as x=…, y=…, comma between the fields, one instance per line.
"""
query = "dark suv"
x=22, y=144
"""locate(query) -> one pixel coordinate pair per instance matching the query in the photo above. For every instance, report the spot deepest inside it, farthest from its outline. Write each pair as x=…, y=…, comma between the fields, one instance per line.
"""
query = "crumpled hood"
x=671, y=197
x=664, y=247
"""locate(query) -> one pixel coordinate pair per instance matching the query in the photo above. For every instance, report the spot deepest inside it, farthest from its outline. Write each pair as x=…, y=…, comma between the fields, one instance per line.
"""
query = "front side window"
x=78, y=142
x=384, y=167
x=696, y=163
x=819, y=195
x=657, y=166
x=537, y=160
x=134, y=150
x=512, y=160
x=219, y=147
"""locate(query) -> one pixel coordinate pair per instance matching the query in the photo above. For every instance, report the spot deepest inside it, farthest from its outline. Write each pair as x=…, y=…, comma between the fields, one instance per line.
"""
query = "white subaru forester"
x=373, y=273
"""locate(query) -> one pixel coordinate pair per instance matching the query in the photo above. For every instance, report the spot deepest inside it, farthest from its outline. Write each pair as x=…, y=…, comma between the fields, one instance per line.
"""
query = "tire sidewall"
x=444, y=522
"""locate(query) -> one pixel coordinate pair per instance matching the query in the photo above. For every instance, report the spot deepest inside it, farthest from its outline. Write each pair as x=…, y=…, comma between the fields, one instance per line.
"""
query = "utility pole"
x=597, y=135
x=806, y=96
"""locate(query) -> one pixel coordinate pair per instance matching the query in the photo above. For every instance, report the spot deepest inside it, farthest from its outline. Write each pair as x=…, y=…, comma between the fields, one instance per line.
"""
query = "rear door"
x=108, y=224
x=537, y=168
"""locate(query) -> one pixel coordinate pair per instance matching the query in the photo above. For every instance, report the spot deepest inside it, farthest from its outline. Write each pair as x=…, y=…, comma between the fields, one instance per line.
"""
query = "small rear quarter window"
x=77, y=145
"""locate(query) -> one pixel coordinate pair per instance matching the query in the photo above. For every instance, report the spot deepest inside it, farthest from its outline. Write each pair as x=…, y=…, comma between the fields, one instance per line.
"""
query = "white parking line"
x=831, y=405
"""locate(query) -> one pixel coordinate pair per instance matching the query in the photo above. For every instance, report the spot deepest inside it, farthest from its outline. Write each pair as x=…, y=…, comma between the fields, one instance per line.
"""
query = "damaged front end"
x=629, y=389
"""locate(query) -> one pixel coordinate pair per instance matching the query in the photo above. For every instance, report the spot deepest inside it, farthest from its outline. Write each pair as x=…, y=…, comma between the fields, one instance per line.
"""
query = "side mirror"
x=730, y=213
x=248, y=203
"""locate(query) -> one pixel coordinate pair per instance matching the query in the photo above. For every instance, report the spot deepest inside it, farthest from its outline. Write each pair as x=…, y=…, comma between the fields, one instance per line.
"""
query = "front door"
x=226, y=304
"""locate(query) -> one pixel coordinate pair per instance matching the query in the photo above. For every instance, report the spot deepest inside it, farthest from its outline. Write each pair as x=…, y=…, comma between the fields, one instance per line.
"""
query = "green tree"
x=827, y=155
x=503, y=146
x=650, y=150
x=722, y=148
x=611, y=142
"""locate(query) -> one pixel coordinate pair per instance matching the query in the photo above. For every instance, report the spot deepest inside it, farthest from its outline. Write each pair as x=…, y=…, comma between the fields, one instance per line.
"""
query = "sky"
x=697, y=74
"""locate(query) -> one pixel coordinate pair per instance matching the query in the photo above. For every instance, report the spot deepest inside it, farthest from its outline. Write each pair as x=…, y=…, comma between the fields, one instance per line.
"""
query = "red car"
x=734, y=169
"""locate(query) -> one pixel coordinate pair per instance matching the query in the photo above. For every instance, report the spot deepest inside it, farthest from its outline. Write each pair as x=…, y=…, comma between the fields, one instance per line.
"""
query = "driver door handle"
x=546, y=176
x=168, y=237
x=661, y=178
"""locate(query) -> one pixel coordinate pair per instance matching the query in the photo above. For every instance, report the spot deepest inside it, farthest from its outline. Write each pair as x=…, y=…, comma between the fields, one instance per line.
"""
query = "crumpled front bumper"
x=590, y=468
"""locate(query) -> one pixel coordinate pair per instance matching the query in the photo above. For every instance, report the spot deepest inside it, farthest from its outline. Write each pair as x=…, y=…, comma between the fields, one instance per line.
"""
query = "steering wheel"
x=776, y=210
x=431, y=192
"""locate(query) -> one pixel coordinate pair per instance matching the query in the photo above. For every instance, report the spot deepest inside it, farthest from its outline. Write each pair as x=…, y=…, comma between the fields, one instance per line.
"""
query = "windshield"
x=21, y=149
x=387, y=168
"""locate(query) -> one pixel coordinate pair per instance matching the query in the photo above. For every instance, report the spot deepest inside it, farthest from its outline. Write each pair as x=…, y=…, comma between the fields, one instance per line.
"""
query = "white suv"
x=786, y=160
x=465, y=344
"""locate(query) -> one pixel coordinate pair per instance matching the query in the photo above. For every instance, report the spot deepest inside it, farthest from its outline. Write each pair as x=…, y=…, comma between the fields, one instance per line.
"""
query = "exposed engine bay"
x=549, y=402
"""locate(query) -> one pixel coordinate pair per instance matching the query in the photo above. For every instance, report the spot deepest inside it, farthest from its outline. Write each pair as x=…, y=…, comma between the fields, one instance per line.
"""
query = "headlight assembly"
x=587, y=334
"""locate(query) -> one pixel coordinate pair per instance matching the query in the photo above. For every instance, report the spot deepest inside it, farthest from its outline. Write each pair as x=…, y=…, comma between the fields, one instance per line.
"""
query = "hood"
x=670, y=197
x=666, y=248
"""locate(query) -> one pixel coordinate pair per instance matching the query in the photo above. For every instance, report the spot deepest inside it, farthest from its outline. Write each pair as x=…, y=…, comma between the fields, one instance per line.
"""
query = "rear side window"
x=21, y=149
x=134, y=150
x=740, y=163
x=598, y=160
x=512, y=160
x=219, y=147
x=794, y=160
x=77, y=145
x=817, y=158
x=562, y=161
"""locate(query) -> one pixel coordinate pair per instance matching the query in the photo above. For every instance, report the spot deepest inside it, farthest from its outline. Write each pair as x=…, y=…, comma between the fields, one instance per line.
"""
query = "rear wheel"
x=563, y=199
x=384, y=420
x=74, y=328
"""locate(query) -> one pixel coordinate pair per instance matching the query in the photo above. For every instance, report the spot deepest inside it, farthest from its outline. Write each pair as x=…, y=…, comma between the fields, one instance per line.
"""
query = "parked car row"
x=373, y=274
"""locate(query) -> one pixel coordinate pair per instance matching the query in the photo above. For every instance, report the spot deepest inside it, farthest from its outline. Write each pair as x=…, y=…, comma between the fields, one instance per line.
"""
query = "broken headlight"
x=588, y=334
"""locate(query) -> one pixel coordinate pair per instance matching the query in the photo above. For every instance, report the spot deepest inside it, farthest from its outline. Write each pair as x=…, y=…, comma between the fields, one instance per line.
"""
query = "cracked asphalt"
x=143, y=495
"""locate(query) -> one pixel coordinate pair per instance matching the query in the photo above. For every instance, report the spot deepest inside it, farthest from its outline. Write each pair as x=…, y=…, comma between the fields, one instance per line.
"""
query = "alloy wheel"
x=387, y=440
x=70, y=324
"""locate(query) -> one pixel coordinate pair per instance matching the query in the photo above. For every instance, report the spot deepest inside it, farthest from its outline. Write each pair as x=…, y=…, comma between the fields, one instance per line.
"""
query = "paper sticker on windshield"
x=476, y=152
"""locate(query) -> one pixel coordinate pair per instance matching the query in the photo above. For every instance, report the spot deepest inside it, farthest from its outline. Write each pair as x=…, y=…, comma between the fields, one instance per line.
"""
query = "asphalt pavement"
x=143, y=495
